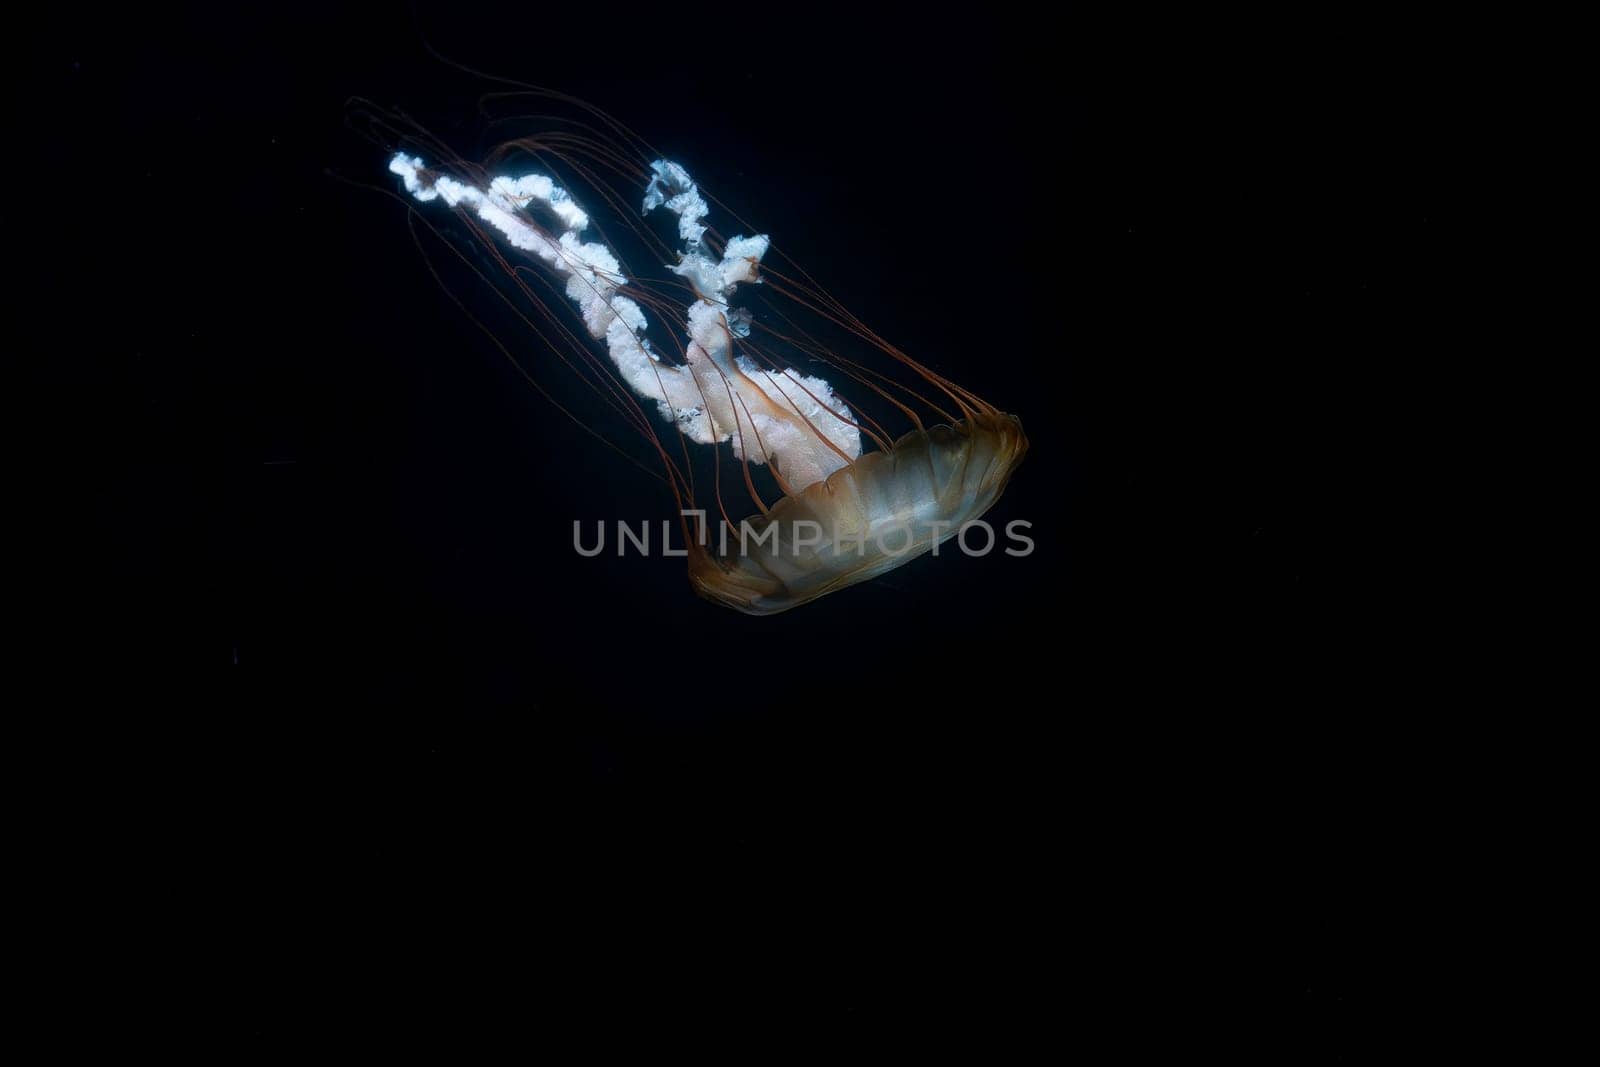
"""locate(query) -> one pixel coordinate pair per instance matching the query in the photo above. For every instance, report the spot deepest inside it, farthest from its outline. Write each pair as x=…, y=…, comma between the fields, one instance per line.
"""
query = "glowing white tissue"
x=791, y=420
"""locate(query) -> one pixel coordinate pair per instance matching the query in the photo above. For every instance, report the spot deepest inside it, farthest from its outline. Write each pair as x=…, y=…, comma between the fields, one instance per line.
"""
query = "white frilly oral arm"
x=713, y=397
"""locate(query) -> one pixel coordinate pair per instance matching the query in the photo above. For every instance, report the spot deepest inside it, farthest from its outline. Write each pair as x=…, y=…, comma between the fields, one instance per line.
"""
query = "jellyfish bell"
x=868, y=517
x=699, y=339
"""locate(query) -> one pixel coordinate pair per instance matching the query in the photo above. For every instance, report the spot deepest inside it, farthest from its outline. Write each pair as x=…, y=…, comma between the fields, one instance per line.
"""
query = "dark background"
x=321, y=529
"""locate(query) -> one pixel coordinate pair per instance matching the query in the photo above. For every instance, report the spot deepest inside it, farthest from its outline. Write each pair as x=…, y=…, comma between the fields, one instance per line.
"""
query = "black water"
x=321, y=530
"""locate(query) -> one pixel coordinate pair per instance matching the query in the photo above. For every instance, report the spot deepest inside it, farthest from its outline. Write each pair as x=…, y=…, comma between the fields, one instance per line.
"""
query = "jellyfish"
x=793, y=384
